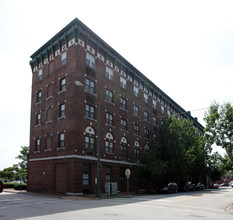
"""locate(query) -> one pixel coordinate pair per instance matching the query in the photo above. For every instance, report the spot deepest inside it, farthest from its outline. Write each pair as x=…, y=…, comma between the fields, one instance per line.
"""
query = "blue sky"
x=184, y=47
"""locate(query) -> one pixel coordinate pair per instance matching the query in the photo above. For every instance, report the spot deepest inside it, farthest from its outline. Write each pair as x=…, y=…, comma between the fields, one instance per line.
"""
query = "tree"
x=219, y=127
x=180, y=152
x=216, y=166
x=23, y=156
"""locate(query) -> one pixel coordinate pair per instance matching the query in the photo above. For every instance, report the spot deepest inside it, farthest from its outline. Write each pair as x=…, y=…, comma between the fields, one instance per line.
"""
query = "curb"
x=230, y=209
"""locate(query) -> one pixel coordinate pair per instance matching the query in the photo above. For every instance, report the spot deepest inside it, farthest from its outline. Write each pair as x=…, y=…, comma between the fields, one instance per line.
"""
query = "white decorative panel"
x=123, y=140
x=90, y=49
x=71, y=42
x=100, y=56
x=135, y=83
x=109, y=63
x=123, y=73
x=63, y=47
x=89, y=130
x=109, y=136
x=40, y=65
x=80, y=42
x=35, y=69
x=51, y=57
x=57, y=52
x=130, y=79
x=117, y=69
x=46, y=61
x=136, y=144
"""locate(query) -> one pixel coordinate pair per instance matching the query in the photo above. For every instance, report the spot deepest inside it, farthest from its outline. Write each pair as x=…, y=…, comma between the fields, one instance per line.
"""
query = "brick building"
x=76, y=77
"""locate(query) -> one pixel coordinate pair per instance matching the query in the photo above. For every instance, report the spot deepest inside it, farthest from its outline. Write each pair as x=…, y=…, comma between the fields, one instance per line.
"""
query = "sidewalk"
x=81, y=197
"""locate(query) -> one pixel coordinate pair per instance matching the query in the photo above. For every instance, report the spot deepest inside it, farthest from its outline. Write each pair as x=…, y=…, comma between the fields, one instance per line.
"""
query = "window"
x=48, y=142
x=50, y=90
x=38, y=96
x=90, y=86
x=108, y=147
x=147, y=150
x=136, y=110
x=38, y=119
x=109, y=95
x=136, y=153
x=123, y=103
x=90, y=60
x=109, y=119
x=136, y=130
x=49, y=115
x=40, y=75
x=62, y=84
x=154, y=121
x=108, y=174
x=122, y=176
x=123, y=124
x=62, y=110
x=90, y=111
x=146, y=133
x=162, y=109
x=135, y=91
x=63, y=59
x=61, y=143
x=146, y=116
x=145, y=98
x=123, y=82
x=86, y=175
x=37, y=144
x=123, y=150
x=109, y=73
x=154, y=103
x=89, y=143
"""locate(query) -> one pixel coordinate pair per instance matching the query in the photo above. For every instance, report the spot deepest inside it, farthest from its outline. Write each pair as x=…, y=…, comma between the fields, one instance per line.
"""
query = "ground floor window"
x=86, y=175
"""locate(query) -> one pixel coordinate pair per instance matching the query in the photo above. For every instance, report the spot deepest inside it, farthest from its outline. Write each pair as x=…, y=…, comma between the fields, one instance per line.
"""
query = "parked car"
x=213, y=186
x=231, y=183
x=187, y=186
x=199, y=186
x=225, y=184
x=1, y=186
x=168, y=188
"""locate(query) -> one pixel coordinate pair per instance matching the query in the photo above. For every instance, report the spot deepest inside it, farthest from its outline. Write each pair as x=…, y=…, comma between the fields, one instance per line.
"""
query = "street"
x=207, y=204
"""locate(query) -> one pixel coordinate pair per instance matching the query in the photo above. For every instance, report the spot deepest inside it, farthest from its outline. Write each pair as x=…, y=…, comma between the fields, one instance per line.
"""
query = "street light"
x=98, y=190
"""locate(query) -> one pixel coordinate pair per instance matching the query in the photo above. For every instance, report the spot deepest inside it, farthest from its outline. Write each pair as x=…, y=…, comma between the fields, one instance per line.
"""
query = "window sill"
x=90, y=118
x=60, y=148
x=112, y=126
x=124, y=130
x=48, y=150
x=49, y=98
x=109, y=102
x=64, y=90
x=123, y=109
x=38, y=103
x=36, y=152
x=109, y=153
x=49, y=122
x=94, y=94
x=62, y=117
x=37, y=126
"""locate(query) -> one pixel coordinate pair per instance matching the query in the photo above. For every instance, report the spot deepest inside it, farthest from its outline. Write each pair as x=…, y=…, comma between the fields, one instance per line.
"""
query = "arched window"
x=109, y=143
x=89, y=138
x=136, y=150
x=124, y=151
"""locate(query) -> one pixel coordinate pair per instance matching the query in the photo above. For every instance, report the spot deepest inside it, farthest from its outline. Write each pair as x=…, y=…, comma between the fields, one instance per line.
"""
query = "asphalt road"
x=207, y=204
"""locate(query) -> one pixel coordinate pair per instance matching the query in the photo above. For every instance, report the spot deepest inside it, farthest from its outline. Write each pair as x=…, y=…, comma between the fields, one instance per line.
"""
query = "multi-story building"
x=76, y=78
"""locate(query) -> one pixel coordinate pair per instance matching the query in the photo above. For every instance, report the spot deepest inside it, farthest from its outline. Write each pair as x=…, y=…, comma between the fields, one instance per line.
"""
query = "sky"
x=184, y=47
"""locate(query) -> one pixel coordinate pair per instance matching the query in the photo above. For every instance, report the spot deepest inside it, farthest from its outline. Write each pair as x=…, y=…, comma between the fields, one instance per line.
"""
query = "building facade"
x=81, y=87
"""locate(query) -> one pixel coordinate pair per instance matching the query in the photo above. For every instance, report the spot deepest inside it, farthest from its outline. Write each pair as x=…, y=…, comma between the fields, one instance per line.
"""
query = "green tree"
x=216, y=166
x=180, y=152
x=219, y=127
x=22, y=169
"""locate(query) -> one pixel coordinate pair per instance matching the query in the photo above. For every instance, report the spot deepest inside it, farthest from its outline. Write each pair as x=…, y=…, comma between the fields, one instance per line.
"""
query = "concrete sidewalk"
x=81, y=197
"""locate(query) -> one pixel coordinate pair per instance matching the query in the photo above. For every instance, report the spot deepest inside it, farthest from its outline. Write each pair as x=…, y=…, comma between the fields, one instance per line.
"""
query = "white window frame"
x=109, y=73
x=90, y=60
x=123, y=82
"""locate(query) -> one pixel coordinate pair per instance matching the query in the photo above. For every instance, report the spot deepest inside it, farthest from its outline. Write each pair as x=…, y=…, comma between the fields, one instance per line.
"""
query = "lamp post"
x=98, y=189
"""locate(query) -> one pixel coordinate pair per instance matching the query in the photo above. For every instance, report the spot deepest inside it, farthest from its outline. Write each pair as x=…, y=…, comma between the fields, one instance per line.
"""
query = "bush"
x=15, y=186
